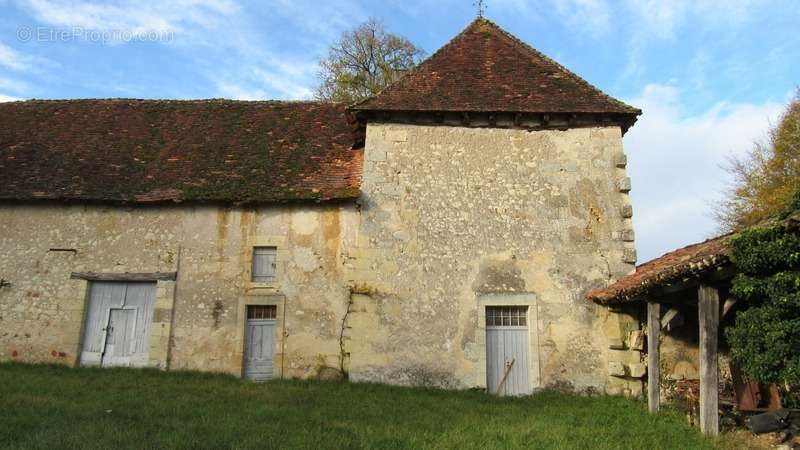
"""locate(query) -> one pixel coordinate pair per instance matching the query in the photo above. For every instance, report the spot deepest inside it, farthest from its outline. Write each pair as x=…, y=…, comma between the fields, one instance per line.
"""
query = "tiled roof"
x=486, y=69
x=690, y=261
x=168, y=150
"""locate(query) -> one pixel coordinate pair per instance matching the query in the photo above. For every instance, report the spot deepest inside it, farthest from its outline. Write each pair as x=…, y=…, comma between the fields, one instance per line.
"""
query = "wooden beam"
x=692, y=282
x=153, y=276
x=653, y=369
x=726, y=308
x=708, y=306
x=571, y=119
x=668, y=317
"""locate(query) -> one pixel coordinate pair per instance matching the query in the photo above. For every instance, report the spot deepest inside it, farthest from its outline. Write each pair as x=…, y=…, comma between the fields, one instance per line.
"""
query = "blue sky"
x=710, y=75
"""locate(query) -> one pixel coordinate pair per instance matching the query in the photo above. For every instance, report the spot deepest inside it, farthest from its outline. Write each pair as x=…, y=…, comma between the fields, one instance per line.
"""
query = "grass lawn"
x=57, y=407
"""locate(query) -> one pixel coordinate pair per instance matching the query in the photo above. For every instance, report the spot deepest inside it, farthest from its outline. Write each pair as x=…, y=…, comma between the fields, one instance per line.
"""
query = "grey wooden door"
x=259, y=342
x=507, y=366
x=118, y=312
x=120, y=337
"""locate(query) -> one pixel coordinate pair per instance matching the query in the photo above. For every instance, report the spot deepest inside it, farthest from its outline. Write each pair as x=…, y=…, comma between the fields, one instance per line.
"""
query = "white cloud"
x=326, y=19
x=283, y=84
x=518, y=6
x=8, y=98
x=659, y=18
x=648, y=22
x=590, y=16
x=15, y=60
x=240, y=92
x=662, y=19
x=12, y=59
x=130, y=16
x=15, y=86
x=648, y=19
x=251, y=86
x=226, y=41
x=676, y=164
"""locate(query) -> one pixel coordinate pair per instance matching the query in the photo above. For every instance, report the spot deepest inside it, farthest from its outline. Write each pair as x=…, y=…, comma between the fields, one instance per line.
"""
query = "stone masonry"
x=453, y=215
x=42, y=311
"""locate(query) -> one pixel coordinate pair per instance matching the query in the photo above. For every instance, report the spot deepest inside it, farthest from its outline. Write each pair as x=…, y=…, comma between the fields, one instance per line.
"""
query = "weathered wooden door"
x=259, y=342
x=117, y=325
x=120, y=337
x=507, y=350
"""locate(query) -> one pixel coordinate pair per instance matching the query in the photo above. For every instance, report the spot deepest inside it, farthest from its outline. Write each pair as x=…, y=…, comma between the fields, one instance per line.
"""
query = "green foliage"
x=364, y=61
x=765, y=339
x=764, y=251
x=765, y=344
x=56, y=407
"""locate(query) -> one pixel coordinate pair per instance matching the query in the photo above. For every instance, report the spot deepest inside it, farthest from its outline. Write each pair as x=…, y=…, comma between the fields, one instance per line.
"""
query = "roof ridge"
x=418, y=66
x=173, y=100
x=687, y=247
x=571, y=74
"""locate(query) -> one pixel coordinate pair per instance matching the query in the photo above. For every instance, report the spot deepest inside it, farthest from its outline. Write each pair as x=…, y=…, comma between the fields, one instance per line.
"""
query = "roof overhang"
x=681, y=269
x=716, y=275
x=531, y=121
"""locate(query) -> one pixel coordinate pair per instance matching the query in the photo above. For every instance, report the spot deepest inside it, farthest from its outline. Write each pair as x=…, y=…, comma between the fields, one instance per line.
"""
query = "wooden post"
x=653, y=369
x=708, y=306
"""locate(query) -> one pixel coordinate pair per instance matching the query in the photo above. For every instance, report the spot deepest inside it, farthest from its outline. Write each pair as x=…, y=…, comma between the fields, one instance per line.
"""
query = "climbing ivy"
x=765, y=339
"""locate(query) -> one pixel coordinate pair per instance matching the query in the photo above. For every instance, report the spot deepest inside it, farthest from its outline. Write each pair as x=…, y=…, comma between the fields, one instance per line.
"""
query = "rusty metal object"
x=690, y=390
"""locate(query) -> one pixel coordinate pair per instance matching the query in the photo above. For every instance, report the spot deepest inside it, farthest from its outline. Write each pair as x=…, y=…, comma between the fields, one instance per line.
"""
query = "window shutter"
x=264, y=264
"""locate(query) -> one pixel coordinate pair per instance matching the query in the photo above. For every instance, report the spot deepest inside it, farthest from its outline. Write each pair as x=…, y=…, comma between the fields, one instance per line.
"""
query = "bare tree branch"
x=364, y=61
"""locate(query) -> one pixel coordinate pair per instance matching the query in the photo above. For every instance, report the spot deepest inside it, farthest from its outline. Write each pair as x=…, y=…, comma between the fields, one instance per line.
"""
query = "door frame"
x=279, y=347
x=515, y=299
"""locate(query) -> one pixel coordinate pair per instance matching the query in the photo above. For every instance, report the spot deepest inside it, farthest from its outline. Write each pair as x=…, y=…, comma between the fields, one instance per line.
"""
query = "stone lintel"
x=126, y=276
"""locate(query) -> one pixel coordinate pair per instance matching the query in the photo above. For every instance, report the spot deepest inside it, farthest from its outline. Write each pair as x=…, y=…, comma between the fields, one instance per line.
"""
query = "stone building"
x=444, y=232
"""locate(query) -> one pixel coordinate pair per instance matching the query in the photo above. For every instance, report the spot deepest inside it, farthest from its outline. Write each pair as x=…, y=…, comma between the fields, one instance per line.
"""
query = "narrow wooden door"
x=120, y=337
x=507, y=350
x=259, y=342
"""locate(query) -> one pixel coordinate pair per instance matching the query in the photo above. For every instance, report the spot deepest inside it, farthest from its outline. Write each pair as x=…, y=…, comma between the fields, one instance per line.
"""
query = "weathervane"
x=481, y=7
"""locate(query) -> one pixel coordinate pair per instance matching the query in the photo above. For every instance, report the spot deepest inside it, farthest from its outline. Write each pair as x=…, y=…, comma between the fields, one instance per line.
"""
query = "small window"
x=262, y=311
x=264, y=264
x=506, y=316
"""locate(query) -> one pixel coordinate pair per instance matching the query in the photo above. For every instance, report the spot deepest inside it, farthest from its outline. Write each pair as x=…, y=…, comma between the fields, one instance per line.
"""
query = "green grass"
x=58, y=407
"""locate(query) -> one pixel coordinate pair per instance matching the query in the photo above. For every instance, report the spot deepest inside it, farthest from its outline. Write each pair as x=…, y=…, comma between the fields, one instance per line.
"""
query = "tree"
x=765, y=338
x=364, y=61
x=766, y=178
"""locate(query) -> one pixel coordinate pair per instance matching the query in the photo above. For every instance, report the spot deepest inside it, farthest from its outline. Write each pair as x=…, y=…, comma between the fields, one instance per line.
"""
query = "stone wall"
x=42, y=311
x=452, y=215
